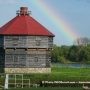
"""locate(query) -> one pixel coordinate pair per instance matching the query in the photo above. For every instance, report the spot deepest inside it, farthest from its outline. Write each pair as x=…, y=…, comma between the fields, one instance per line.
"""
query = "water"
x=74, y=65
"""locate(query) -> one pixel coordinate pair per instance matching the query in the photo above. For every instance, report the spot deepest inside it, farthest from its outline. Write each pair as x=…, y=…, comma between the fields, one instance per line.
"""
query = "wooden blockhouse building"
x=25, y=45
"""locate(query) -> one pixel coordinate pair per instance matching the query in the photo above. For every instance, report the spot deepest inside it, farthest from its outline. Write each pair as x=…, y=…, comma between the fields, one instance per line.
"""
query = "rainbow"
x=57, y=19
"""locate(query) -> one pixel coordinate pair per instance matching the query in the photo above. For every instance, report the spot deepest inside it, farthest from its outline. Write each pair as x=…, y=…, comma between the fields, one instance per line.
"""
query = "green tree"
x=75, y=53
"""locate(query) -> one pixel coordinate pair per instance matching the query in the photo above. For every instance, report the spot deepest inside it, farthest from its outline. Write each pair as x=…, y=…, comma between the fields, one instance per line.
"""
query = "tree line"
x=77, y=53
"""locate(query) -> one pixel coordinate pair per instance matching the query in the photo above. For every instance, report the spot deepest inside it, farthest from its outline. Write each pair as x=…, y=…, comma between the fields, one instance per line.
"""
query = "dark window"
x=50, y=39
x=37, y=42
x=15, y=38
x=15, y=58
x=15, y=44
x=9, y=58
x=36, y=59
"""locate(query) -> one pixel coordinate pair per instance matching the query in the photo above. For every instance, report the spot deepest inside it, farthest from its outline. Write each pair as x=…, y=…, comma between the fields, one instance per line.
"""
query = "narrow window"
x=50, y=39
x=15, y=40
x=37, y=42
x=36, y=59
x=15, y=58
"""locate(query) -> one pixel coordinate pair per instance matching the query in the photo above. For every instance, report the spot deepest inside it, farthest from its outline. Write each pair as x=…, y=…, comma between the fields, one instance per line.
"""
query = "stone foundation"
x=27, y=70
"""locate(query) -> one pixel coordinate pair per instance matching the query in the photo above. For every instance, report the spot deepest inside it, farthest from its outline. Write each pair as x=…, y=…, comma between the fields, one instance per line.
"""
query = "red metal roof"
x=24, y=25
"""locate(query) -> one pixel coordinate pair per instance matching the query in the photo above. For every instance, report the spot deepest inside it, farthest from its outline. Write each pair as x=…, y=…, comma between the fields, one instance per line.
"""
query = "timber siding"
x=27, y=51
x=27, y=58
x=28, y=42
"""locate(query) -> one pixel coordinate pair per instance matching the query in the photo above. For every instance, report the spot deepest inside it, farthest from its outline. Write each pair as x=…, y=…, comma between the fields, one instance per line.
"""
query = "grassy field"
x=57, y=74
x=62, y=74
x=71, y=74
x=67, y=88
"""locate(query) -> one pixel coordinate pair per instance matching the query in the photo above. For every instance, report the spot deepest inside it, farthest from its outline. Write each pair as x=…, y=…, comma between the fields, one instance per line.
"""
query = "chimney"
x=23, y=11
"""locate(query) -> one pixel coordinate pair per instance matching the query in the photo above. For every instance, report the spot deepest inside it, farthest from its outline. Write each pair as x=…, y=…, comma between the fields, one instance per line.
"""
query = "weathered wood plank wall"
x=27, y=51
x=28, y=41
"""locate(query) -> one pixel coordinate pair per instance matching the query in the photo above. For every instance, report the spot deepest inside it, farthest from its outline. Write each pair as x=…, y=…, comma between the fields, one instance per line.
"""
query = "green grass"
x=61, y=74
x=57, y=74
x=67, y=88
x=72, y=74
